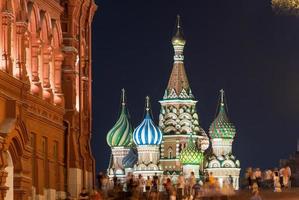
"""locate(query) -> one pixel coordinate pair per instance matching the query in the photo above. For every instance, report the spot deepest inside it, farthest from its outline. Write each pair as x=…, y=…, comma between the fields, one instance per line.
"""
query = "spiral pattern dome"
x=221, y=127
x=130, y=159
x=191, y=154
x=147, y=133
x=121, y=133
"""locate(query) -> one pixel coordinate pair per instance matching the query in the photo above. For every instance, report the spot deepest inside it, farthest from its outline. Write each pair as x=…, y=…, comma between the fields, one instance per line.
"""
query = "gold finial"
x=123, y=101
x=222, y=97
x=147, y=103
x=178, y=38
x=178, y=21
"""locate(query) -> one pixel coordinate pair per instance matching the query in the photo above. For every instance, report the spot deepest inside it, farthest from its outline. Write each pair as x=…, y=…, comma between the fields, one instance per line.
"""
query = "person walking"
x=276, y=181
x=180, y=187
x=148, y=185
x=141, y=184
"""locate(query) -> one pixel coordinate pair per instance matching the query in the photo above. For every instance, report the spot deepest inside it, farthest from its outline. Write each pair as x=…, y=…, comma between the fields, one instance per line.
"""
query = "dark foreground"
x=289, y=194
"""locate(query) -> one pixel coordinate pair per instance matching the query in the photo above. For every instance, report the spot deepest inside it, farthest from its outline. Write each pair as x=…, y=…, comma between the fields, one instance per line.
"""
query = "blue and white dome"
x=147, y=133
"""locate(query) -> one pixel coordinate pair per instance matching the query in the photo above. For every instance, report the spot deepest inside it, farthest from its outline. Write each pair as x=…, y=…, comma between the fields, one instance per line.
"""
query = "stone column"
x=21, y=71
x=47, y=91
x=35, y=51
x=7, y=18
x=58, y=95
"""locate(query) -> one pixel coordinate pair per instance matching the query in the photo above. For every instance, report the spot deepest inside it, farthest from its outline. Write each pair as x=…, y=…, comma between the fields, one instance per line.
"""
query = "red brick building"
x=45, y=98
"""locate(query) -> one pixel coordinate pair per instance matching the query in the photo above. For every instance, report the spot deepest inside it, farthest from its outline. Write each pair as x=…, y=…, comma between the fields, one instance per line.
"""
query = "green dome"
x=121, y=133
x=221, y=127
x=191, y=154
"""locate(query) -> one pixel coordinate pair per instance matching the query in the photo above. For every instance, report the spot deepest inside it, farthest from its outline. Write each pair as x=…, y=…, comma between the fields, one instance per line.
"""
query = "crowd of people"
x=166, y=187
x=182, y=187
x=277, y=179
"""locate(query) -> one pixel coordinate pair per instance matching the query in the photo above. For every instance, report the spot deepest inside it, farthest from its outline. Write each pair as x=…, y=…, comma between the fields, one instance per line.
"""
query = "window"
x=170, y=153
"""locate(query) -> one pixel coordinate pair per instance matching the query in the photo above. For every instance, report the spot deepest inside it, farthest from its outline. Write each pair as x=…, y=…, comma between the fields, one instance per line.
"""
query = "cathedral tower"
x=178, y=115
x=222, y=163
x=148, y=137
x=119, y=138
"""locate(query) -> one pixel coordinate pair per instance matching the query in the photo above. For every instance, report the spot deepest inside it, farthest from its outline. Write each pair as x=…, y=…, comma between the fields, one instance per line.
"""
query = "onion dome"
x=221, y=127
x=130, y=159
x=121, y=133
x=147, y=133
x=178, y=39
x=191, y=154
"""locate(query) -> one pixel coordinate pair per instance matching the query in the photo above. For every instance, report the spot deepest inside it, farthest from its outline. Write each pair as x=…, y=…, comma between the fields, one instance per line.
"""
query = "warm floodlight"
x=290, y=7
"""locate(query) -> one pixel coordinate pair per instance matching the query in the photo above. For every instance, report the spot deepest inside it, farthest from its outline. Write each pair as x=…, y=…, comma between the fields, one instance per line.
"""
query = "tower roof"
x=147, y=133
x=178, y=84
x=191, y=154
x=221, y=127
x=121, y=133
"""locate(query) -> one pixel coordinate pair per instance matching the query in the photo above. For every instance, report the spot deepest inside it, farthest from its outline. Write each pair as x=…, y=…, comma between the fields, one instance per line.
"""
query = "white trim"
x=169, y=159
x=185, y=101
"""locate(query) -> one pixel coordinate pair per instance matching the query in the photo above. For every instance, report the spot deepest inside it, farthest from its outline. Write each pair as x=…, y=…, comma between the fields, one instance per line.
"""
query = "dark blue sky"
x=239, y=45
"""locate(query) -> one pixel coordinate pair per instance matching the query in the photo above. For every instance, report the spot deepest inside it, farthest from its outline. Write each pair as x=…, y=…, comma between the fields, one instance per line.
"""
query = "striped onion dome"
x=221, y=127
x=147, y=133
x=121, y=133
x=191, y=154
x=130, y=159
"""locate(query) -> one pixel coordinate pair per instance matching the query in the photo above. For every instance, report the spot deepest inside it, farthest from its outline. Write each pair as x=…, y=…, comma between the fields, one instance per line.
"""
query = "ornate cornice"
x=53, y=7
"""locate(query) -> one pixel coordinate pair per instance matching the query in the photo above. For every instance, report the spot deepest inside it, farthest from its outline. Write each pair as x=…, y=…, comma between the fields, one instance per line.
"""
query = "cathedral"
x=178, y=144
x=45, y=98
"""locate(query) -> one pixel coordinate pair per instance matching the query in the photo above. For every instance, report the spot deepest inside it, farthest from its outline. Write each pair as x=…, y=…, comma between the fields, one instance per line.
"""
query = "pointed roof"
x=121, y=133
x=221, y=127
x=178, y=84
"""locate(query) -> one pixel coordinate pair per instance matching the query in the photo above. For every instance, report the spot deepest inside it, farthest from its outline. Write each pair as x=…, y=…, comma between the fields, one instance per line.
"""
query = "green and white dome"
x=191, y=154
x=121, y=133
x=221, y=127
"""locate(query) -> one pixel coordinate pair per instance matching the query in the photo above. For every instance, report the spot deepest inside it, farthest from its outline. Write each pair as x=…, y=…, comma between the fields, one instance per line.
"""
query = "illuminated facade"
x=222, y=163
x=178, y=145
x=45, y=98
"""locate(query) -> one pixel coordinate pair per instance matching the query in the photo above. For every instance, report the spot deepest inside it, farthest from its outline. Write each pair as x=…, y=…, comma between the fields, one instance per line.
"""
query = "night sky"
x=239, y=45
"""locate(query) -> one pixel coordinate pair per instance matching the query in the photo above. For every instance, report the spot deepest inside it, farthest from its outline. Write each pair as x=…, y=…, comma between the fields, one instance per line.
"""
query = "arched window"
x=169, y=151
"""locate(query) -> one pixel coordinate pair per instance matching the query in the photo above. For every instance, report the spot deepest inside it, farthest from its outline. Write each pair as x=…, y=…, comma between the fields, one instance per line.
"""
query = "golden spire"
x=178, y=39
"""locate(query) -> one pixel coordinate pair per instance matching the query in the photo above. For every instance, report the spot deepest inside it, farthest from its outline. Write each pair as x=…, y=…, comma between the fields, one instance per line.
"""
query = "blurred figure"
x=212, y=180
x=148, y=185
x=83, y=194
x=191, y=183
x=141, y=184
x=180, y=187
x=268, y=177
x=154, y=190
x=276, y=180
x=114, y=180
x=95, y=195
x=255, y=187
x=258, y=176
x=256, y=196
x=281, y=172
x=196, y=190
x=100, y=177
x=286, y=176
x=248, y=176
